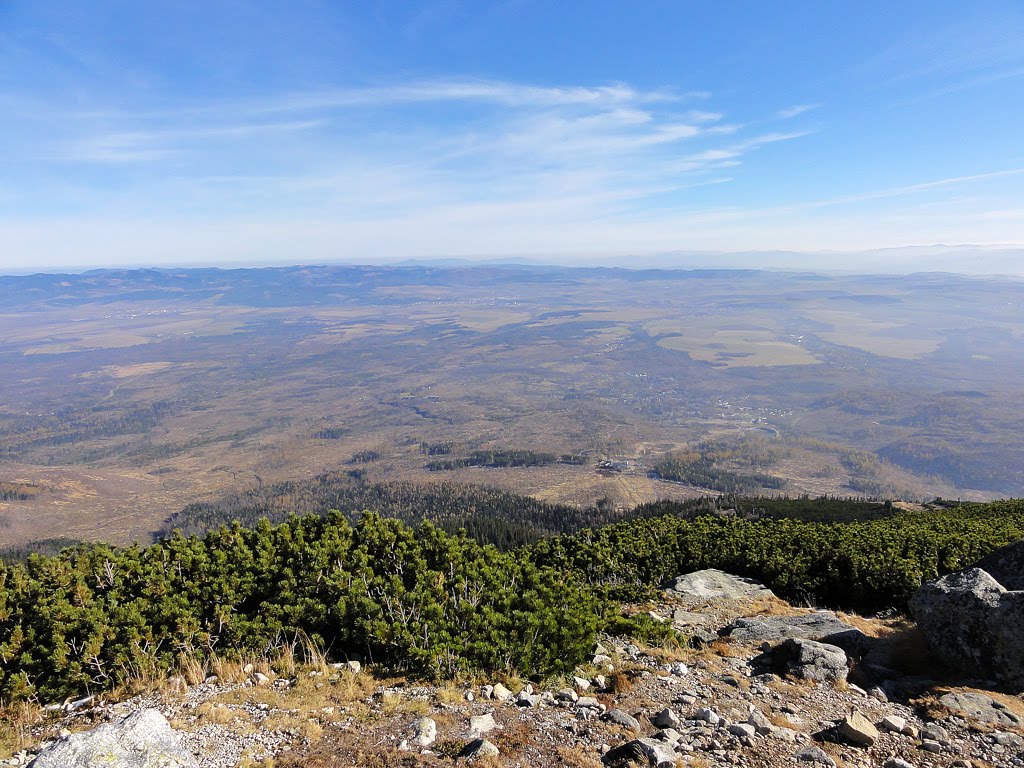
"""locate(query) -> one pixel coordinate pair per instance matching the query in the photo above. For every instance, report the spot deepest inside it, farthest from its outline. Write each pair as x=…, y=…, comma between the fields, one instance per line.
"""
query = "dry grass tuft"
x=577, y=757
x=16, y=722
x=726, y=648
x=619, y=682
x=392, y=704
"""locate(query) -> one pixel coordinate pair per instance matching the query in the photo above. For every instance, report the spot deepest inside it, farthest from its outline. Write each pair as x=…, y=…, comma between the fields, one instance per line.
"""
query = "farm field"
x=127, y=395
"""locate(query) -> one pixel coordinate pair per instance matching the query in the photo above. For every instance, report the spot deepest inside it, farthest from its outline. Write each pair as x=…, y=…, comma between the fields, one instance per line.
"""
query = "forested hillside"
x=429, y=603
x=489, y=515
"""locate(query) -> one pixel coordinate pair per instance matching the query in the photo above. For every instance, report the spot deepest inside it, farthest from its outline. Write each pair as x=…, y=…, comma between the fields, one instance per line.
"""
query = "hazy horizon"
x=326, y=132
x=988, y=262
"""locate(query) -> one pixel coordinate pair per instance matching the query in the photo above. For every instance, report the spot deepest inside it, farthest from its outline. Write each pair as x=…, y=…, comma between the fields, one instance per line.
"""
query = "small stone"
x=857, y=730
x=480, y=748
x=815, y=755
x=424, y=732
x=1004, y=739
x=709, y=716
x=930, y=745
x=666, y=718
x=879, y=694
x=260, y=679
x=470, y=696
x=567, y=694
x=671, y=735
x=624, y=719
x=501, y=693
x=600, y=681
x=581, y=684
x=742, y=730
x=893, y=723
x=935, y=732
x=897, y=762
x=761, y=723
x=525, y=699
x=648, y=752
x=481, y=725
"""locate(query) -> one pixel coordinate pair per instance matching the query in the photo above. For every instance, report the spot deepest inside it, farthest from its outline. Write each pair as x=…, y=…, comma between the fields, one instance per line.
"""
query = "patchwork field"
x=127, y=395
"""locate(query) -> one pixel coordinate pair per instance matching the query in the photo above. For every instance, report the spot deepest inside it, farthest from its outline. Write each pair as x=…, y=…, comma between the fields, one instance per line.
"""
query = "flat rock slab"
x=979, y=707
x=712, y=584
x=821, y=626
x=144, y=739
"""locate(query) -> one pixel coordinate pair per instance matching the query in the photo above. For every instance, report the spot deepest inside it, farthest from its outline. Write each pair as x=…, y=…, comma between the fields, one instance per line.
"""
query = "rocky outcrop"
x=820, y=626
x=712, y=584
x=144, y=739
x=980, y=707
x=974, y=624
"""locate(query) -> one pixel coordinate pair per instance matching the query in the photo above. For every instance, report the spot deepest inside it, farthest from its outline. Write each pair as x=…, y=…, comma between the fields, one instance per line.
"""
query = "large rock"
x=821, y=626
x=806, y=659
x=645, y=752
x=144, y=739
x=979, y=707
x=974, y=624
x=712, y=584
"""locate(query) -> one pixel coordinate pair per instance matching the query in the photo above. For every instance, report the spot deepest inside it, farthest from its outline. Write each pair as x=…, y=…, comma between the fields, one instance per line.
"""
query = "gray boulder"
x=144, y=739
x=974, y=624
x=979, y=707
x=712, y=584
x=815, y=755
x=805, y=659
x=646, y=752
x=821, y=626
x=479, y=748
x=624, y=719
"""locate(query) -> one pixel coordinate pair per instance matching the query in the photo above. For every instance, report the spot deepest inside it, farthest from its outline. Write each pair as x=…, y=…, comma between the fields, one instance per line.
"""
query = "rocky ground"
x=768, y=685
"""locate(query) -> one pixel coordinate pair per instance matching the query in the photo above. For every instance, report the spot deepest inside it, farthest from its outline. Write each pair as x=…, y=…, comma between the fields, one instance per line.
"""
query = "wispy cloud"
x=796, y=109
x=384, y=171
x=463, y=90
x=144, y=146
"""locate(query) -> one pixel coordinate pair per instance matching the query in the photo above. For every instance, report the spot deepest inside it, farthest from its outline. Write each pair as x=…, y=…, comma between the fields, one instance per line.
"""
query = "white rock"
x=501, y=693
x=481, y=725
x=894, y=723
x=666, y=718
x=707, y=715
x=481, y=748
x=742, y=729
x=424, y=732
x=141, y=740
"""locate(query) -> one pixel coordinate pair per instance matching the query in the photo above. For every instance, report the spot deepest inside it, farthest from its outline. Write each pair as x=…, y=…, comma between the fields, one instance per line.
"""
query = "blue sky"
x=227, y=132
